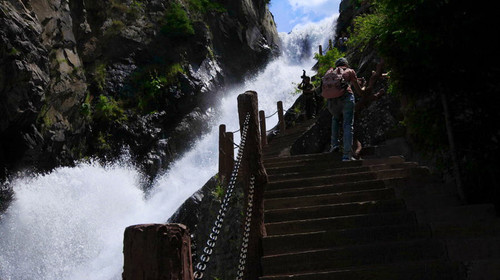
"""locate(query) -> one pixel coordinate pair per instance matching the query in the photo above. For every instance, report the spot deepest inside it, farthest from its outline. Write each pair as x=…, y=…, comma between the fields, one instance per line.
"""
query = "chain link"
x=219, y=220
x=271, y=115
x=246, y=232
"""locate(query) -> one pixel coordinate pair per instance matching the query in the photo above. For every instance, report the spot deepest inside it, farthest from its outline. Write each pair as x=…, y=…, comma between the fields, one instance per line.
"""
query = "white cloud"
x=306, y=3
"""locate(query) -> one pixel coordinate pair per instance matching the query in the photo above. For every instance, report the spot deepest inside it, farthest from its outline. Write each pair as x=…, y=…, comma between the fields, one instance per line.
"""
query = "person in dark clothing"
x=309, y=94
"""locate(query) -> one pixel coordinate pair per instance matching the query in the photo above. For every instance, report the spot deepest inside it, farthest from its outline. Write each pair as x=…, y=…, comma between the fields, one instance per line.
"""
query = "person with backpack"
x=337, y=87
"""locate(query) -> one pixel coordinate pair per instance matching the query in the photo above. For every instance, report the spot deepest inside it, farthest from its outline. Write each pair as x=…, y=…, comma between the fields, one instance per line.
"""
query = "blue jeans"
x=342, y=107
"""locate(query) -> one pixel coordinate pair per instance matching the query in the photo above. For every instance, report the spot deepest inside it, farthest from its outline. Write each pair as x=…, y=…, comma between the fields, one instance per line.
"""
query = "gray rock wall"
x=58, y=56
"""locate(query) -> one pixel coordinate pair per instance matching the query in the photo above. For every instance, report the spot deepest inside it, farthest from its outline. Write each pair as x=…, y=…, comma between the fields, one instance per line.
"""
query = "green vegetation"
x=151, y=91
x=218, y=192
x=13, y=52
x=107, y=109
x=205, y=6
x=435, y=50
x=86, y=109
x=100, y=75
x=151, y=86
x=327, y=60
x=131, y=11
x=177, y=22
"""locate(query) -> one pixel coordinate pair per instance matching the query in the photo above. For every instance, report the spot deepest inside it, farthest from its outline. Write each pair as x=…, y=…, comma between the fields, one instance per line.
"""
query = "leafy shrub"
x=205, y=6
x=327, y=60
x=86, y=109
x=107, y=109
x=100, y=75
x=177, y=22
x=152, y=87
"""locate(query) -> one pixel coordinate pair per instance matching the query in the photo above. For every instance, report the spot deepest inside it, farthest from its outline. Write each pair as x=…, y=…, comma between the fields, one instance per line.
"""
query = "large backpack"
x=334, y=84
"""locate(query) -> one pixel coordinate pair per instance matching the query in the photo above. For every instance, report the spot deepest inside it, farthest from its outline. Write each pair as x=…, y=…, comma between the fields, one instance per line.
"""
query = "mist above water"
x=69, y=224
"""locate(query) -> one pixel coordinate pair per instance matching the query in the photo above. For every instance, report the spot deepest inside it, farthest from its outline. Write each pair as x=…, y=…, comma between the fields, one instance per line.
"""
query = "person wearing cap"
x=343, y=108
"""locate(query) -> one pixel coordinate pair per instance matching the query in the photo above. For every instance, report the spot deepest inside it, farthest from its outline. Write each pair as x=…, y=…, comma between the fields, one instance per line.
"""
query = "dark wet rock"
x=58, y=57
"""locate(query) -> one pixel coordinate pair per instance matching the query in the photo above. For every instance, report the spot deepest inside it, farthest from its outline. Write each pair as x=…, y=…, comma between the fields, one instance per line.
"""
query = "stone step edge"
x=347, y=170
x=325, y=194
x=410, y=214
x=381, y=174
x=458, y=265
x=393, y=200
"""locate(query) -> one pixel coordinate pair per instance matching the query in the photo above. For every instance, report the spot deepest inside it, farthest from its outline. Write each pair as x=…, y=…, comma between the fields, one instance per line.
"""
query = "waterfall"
x=69, y=224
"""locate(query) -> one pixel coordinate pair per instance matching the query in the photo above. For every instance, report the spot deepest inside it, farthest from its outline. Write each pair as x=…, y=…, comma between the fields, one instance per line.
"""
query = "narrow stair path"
x=378, y=218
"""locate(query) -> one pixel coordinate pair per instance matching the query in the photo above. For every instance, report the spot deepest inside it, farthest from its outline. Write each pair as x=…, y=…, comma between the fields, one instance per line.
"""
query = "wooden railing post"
x=320, y=50
x=222, y=152
x=263, y=133
x=281, y=118
x=157, y=251
x=252, y=165
x=330, y=44
x=229, y=154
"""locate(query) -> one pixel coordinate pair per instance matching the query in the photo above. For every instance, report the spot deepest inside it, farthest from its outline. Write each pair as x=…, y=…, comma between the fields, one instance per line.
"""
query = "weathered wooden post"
x=252, y=165
x=157, y=251
x=281, y=118
x=229, y=154
x=330, y=44
x=263, y=135
x=320, y=50
x=222, y=152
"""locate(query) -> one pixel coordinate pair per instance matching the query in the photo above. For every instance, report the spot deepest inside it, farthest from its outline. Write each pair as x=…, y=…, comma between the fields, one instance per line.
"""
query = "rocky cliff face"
x=84, y=78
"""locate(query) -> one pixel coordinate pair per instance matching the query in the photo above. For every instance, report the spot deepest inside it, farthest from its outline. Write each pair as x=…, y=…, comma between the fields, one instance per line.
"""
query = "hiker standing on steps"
x=337, y=87
x=308, y=92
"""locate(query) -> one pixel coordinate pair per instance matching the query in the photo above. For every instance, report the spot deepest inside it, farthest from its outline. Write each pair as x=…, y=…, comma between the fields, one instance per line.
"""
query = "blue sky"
x=290, y=13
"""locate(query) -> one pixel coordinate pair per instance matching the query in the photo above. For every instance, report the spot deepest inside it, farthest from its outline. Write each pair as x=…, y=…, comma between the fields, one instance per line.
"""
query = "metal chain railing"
x=272, y=115
x=210, y=245
x=246, y=232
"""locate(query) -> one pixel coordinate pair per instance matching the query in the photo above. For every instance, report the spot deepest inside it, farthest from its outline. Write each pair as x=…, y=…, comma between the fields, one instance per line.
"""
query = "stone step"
x=332, y=167
x=330, y=160
x=349, y=256
x=309, y=164
x=333, y=198
x=298, y=158
x=319, y=181
x=325, y=189
x=342, y=178
x=342, y=222
x=465, y=229
x=276, y=174
x=416, y=270
x=420, y=202
x=406, y=187
x=474, y=212
x=333, y=210
x=280, y=244
x=467, y=249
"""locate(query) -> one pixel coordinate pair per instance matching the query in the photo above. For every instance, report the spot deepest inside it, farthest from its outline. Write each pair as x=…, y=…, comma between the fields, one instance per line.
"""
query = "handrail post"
x=330, y=44
x=281, y=118
x=263, y=131
x=222, y=152
x=252, y=165
x=229, y=154
x=157, y=251
x=320, y=50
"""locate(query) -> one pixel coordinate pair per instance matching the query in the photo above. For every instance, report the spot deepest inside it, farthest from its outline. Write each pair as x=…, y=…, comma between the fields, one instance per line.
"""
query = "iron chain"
x=246, y=232
x=219, y=220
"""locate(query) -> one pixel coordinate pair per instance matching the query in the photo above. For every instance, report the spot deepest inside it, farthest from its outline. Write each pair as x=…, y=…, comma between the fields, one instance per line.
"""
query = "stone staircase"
x=378, y=218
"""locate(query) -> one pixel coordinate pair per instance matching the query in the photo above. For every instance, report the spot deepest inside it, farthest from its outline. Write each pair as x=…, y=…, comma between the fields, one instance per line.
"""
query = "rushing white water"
x=69, y=224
